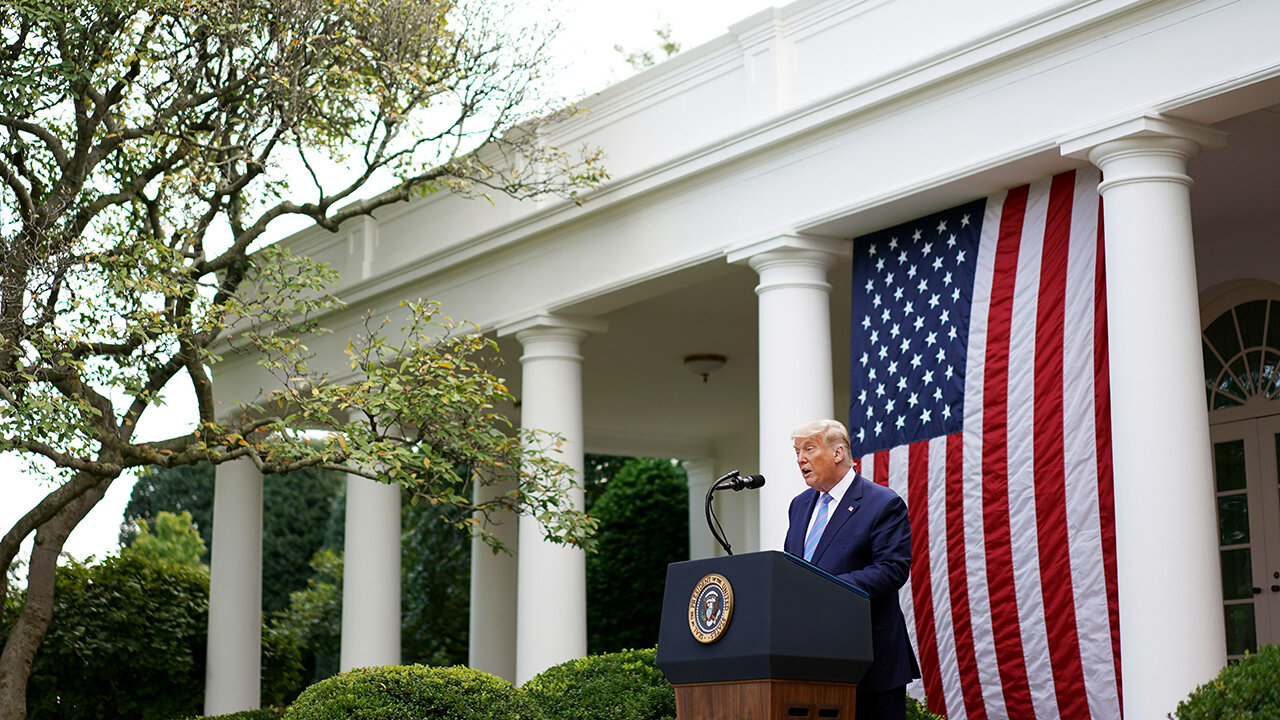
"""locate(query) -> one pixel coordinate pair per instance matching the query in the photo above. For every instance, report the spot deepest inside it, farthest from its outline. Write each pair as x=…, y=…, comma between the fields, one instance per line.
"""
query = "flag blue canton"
x=912, y=289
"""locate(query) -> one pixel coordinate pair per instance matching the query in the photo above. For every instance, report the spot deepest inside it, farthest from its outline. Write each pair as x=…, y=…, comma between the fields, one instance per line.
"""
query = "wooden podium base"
x=766, y=700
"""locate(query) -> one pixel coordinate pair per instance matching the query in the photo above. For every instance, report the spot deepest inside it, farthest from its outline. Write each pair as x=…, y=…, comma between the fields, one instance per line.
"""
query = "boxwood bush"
x=624, y=685
x=410, y=692
x=1247, y=690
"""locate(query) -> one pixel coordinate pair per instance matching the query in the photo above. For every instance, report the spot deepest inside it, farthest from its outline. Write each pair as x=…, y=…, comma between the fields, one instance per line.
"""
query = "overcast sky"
x=585, y=47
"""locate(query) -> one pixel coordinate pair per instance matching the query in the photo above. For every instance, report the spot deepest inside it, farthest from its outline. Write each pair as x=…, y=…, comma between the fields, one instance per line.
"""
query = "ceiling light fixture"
x=704, y=364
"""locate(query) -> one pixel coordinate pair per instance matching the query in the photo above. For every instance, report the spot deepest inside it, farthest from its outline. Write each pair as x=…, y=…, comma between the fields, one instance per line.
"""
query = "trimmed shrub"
x=1247, y=690
x=127, y=640
x=409, y=692
x=624, y=685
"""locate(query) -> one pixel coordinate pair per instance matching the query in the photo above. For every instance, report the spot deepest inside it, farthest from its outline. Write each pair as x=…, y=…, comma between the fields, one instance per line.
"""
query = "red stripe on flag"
x=881, y=473
x=958, y=580
x=995, y=457
x=1102, y=407
x=921, y=577
x=1050, y=467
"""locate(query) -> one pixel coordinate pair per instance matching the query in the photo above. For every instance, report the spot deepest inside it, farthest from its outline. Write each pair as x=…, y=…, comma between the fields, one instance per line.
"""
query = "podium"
x=762, y=636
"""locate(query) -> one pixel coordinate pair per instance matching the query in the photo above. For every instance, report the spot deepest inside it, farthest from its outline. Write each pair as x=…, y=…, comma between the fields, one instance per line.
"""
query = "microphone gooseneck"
x=732, y=480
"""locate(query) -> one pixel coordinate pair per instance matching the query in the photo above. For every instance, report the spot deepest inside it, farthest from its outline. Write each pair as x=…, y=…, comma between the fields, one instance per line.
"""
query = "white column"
x=701, y=473
x=235, y=591
x=371, y=575
x=492, y=635
x=1171, y=628
x=796, y=381
x=551, y=604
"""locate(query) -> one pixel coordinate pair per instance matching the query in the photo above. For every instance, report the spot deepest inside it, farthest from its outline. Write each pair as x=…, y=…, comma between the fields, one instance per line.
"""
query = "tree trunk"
x=27, y=634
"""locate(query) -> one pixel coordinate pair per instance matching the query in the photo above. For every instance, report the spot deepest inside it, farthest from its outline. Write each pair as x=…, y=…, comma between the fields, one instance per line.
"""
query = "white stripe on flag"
x=975, y=531
x=941, y=582
x=1081, y=449
x=1022, y=492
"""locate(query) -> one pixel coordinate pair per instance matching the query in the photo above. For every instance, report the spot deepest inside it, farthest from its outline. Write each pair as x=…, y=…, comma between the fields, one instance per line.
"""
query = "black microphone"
x=747, y=482
x=736, y=481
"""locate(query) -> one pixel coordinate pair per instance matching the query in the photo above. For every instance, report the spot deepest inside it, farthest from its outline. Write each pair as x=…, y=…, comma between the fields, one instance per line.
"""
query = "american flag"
x=979, y=392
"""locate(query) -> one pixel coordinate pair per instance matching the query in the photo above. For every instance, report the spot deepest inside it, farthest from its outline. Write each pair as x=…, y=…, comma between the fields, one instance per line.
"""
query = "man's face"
x=821, y=466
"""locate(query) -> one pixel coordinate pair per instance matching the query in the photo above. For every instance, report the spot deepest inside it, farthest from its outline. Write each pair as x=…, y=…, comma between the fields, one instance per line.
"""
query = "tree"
x=644, y=526
x=174, y=540
x=188, y=489
x=313, y=620
x=143, y=156
x=303, y=516
x=641, y=59
x=597, y=471
x=297, y=509
x=436, y=603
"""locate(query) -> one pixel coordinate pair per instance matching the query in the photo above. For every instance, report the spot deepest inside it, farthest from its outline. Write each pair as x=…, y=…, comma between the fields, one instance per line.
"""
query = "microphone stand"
x=713, y=522
x=732, y=480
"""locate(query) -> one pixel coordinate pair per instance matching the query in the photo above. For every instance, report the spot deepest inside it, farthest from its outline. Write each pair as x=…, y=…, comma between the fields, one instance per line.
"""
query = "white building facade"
x=740, y=171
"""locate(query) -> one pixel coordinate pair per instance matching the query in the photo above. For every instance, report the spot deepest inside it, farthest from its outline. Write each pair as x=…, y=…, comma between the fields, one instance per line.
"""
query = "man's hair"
x=832, y=432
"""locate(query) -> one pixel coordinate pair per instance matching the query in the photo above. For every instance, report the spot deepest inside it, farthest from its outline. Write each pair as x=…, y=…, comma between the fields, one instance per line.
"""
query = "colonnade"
x=529, y=613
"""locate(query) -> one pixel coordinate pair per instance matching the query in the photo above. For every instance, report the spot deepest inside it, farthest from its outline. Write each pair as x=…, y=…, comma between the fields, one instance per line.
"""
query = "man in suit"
x=858, y=531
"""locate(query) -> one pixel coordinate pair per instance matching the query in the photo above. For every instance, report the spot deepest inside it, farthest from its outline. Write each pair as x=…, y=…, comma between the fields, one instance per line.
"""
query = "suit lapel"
x=840, y=515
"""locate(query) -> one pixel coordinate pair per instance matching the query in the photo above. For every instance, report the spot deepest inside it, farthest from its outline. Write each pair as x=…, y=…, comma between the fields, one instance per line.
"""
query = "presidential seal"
x=710, y=608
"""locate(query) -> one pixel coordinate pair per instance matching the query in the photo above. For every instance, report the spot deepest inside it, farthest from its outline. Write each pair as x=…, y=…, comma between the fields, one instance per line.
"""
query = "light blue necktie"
x=819, y=524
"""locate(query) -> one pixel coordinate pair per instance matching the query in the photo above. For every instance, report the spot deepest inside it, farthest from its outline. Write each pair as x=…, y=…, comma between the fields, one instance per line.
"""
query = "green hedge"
x=410, y=692
x=127, y=640
x=624, y=685
x=1247, y=690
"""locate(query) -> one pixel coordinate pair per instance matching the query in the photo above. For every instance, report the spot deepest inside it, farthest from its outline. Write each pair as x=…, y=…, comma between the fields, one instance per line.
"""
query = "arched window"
x=1242, y=380
x=1242, y=355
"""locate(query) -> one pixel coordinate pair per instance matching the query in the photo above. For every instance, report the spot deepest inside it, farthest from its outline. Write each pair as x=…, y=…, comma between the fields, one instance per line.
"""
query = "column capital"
x=1151, y=131
x=798, y=262
x=790, y=247
x=1149, y=148
x=551, y=323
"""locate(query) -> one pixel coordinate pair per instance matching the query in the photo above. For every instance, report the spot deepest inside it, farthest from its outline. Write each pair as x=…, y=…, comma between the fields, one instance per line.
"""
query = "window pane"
x=1233, y=519
x=1252, y=317
x=1241, y=372
x=1226, y=385
x=1228, y=464
x=1269, y=371
x=1242, y=634
x=1273, y=326
x=1222, y=335
x=1212, y=365
x=1254, y=360
x=1237, y=574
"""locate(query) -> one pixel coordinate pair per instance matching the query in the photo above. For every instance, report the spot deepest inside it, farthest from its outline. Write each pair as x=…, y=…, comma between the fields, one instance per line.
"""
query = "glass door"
x=1246, y=455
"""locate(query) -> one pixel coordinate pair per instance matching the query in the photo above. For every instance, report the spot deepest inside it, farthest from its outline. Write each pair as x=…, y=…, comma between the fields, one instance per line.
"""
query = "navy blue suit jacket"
x=868, y=543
